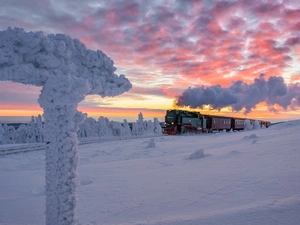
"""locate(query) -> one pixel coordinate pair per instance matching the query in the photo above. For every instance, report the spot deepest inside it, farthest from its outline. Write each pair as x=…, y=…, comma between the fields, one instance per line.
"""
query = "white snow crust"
x=124, y=182
x=34, y=58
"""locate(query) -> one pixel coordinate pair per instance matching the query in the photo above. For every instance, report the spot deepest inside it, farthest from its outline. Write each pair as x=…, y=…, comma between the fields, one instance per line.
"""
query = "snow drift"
x=122, y=182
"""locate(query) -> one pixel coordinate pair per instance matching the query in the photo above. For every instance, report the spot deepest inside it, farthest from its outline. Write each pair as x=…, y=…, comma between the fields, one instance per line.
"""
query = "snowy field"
x=248, y=177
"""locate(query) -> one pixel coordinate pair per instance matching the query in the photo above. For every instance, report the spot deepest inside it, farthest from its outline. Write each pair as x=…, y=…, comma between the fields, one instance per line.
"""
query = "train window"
x=214, y=121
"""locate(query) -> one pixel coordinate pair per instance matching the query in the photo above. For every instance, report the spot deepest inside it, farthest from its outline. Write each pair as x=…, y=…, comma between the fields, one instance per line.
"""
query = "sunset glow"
x=165, y=47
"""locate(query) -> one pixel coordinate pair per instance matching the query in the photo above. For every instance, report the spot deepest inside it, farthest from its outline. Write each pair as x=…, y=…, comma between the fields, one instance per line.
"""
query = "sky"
x=168, y=49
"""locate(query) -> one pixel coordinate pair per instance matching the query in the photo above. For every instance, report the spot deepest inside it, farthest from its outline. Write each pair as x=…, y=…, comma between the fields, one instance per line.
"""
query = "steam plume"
x=241, y=95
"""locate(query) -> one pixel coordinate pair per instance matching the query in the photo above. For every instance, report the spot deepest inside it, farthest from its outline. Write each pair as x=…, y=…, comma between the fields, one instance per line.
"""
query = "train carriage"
x=217, y=123
x=183, y=121
x=237, y=123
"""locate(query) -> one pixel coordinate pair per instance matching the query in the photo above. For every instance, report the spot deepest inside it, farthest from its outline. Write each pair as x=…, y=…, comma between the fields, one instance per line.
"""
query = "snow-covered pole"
x=62, y=121
x=67, y=72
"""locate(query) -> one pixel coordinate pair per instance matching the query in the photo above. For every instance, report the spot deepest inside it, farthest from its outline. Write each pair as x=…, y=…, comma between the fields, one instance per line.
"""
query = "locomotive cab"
x=180, y=121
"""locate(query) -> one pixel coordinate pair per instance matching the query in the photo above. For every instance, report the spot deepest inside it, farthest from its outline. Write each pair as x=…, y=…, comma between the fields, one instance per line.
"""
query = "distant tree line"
x=33, y=132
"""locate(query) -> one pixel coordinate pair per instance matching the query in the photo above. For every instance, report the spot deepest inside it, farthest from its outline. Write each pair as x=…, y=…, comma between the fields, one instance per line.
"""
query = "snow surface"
x=248, y=177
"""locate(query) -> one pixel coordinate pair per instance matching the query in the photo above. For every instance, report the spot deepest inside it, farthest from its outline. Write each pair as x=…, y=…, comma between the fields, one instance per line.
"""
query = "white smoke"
x=241, y=95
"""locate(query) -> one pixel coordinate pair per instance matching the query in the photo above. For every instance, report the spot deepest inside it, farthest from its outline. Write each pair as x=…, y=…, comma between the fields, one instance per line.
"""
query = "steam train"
x=183, y=121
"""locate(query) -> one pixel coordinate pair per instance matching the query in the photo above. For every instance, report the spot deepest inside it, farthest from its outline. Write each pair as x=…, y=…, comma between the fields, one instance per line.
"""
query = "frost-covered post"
x=67, y=72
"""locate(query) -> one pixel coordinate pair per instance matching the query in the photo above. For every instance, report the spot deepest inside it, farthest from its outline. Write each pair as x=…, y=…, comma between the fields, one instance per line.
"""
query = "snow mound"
x=234, y=152
x=198, y=154
x=286, y=125
x=85, y=181
x=39, y=191
x=251, y=136
x=151, y=143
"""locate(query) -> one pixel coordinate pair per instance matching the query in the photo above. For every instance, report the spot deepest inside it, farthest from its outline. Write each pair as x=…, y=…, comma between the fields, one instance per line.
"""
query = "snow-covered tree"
x=104, y=129
x=157, y=127
x=148, y=127
x=31, y=132
x=1, y=133
x=8, y=136
x=88, y=128
x=117, y=129
x=40, y=129
x=140, y=124
x=67, y=72
x=256, y=125
x=21, y=134
x=134, y=129
x=127, y=130
x=247, y=125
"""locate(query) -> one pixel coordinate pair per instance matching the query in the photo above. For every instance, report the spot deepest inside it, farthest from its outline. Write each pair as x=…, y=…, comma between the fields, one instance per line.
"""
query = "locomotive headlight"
x=172, y=123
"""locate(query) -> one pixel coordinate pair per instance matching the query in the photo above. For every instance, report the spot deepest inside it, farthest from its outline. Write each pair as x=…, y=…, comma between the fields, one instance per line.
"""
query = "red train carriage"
x=237, y=123
x=217, y=123
x=264, y=123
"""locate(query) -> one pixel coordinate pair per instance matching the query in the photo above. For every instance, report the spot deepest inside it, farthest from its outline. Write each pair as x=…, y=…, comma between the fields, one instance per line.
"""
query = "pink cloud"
x=200, y=43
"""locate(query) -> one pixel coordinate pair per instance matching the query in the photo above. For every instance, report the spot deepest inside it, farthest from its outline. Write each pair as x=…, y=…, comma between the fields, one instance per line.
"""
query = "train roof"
x=217, y=116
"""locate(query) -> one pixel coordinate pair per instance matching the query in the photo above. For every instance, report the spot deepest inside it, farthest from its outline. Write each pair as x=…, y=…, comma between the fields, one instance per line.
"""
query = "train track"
x=20, y=148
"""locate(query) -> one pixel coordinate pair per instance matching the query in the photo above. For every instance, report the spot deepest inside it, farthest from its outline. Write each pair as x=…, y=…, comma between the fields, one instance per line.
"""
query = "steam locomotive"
x=183, y=121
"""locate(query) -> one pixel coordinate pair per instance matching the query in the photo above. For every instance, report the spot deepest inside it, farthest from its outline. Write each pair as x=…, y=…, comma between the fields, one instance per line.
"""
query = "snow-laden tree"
x=104, y=129
x=34, y=130
x=31, y=136
x=8, y=136
x=148, y=127
x=67, y=72
x=140, y=124
x=256, y=125
x=21, y=134
x=247, y=125
x=141, y=127
x=134, y=129
x=31, y=132
x=1, y=133
x=40, y=128
x=88, y=128
x=157, y=127
x=117, y=129
x=127, y=130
